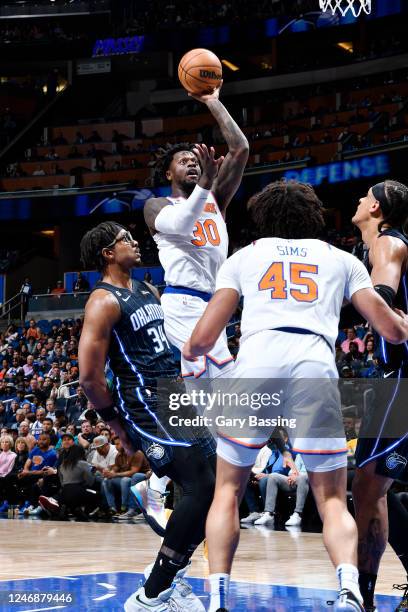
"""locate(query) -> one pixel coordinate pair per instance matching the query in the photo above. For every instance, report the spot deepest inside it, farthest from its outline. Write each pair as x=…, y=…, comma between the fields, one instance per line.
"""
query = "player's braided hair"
x=94, y=241
x=397, y=196
x=164, y=157
x=287, y=209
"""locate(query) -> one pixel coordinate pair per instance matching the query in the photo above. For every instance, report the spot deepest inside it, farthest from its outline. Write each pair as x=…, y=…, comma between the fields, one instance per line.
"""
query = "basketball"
x=200, y=71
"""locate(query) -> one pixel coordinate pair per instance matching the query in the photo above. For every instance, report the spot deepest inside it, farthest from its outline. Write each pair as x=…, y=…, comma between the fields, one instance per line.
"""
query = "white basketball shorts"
x=300, y=370
x=181, y=314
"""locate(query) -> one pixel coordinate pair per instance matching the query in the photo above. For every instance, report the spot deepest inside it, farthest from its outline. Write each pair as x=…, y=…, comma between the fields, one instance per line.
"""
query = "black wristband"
x=110, y=413
x=387, y=293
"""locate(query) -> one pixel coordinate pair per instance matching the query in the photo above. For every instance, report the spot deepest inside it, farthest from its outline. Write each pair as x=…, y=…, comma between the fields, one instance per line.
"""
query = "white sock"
x=219, y=584
x=158, y=484
x=348, y=579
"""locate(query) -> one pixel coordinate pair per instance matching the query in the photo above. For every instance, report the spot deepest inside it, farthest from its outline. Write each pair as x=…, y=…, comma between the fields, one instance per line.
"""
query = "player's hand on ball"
x=207, y=97
x=187, y=354
x=209, y=165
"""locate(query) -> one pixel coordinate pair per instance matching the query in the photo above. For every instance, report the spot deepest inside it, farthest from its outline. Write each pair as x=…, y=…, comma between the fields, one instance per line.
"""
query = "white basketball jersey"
x=292, y=283
x=194, y=260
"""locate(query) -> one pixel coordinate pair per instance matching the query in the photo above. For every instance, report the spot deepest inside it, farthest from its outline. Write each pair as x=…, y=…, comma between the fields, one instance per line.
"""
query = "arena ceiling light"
x=230, y=65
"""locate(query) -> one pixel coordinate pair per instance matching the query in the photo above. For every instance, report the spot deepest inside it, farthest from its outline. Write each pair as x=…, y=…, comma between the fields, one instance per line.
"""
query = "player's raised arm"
x=94, y=345
x=391, y=326
x=231, y=171
x=214, y=320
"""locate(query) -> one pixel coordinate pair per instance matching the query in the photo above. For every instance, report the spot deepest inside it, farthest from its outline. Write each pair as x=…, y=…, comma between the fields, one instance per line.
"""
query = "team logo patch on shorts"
x=395, y=460
x=155, y=451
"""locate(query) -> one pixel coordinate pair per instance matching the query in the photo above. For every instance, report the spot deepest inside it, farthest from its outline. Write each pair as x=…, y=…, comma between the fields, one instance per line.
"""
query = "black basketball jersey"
x=393, y=357
x=140, y=358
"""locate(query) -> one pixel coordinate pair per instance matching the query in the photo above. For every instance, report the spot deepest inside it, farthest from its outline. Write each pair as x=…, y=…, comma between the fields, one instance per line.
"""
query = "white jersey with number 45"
x=193, y=260
x=292, y=284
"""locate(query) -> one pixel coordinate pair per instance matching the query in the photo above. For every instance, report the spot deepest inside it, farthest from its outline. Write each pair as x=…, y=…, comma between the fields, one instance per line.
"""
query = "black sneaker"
x=403, y=604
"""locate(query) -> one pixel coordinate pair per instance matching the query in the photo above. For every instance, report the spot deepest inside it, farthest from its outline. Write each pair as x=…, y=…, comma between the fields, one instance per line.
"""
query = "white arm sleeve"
x=358, y=277
x=180, y=218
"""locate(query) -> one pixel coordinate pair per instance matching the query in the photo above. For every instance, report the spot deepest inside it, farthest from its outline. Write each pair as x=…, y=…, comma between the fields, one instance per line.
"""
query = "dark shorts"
x=386, y=416
x=159, y=451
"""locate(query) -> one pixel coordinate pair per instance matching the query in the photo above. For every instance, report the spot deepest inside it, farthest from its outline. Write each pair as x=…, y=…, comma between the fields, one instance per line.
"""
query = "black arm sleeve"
x=387, y=293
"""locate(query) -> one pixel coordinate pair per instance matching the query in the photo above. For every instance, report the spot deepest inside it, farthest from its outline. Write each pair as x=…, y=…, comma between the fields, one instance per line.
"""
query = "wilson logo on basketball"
x=209, y=74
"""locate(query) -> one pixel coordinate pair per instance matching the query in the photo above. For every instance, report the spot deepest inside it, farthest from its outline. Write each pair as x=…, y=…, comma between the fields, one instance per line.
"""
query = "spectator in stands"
x=29, y=368
x=369, y=357
x=39, y=171
x=59, y=288
x=48, y=428
x=77, y=481
x=295, y=482
x=36, y=390
x=37, y=426
x=13, y=370
x=354, y=358
x=40, y=458
x=86, y=437
x=104, y=457
x=275, y=456
x=24, y=432
x=352, y=337
x=10, y=492
x=126, y=472
x=7, y=458
x=26, y=291
x=33, y=331
x=67, y=438
x=81, y=283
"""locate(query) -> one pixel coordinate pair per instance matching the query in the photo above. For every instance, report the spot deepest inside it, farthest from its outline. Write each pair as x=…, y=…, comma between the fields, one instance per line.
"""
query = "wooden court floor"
x=37, y=548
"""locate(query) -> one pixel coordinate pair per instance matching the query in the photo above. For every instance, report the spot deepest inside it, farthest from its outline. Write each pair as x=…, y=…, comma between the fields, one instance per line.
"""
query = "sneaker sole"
x=150, y=520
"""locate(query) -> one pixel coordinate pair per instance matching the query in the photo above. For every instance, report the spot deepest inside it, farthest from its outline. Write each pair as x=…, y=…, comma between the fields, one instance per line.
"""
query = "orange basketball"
x=200, y=71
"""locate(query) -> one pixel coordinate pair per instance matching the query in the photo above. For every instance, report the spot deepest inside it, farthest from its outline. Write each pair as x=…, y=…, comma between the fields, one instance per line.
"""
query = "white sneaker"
x=251, y=518
x=151, y=503
x=266, y=518
x=138, y=602
x=35, y=511
x=294, y=521
x=347, y=602
x=183, y=593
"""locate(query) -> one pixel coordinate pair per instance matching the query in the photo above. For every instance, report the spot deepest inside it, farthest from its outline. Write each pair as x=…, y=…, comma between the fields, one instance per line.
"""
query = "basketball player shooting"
x=288, y=277
x=382, y=217
x=190, y=232
x=124, y=325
